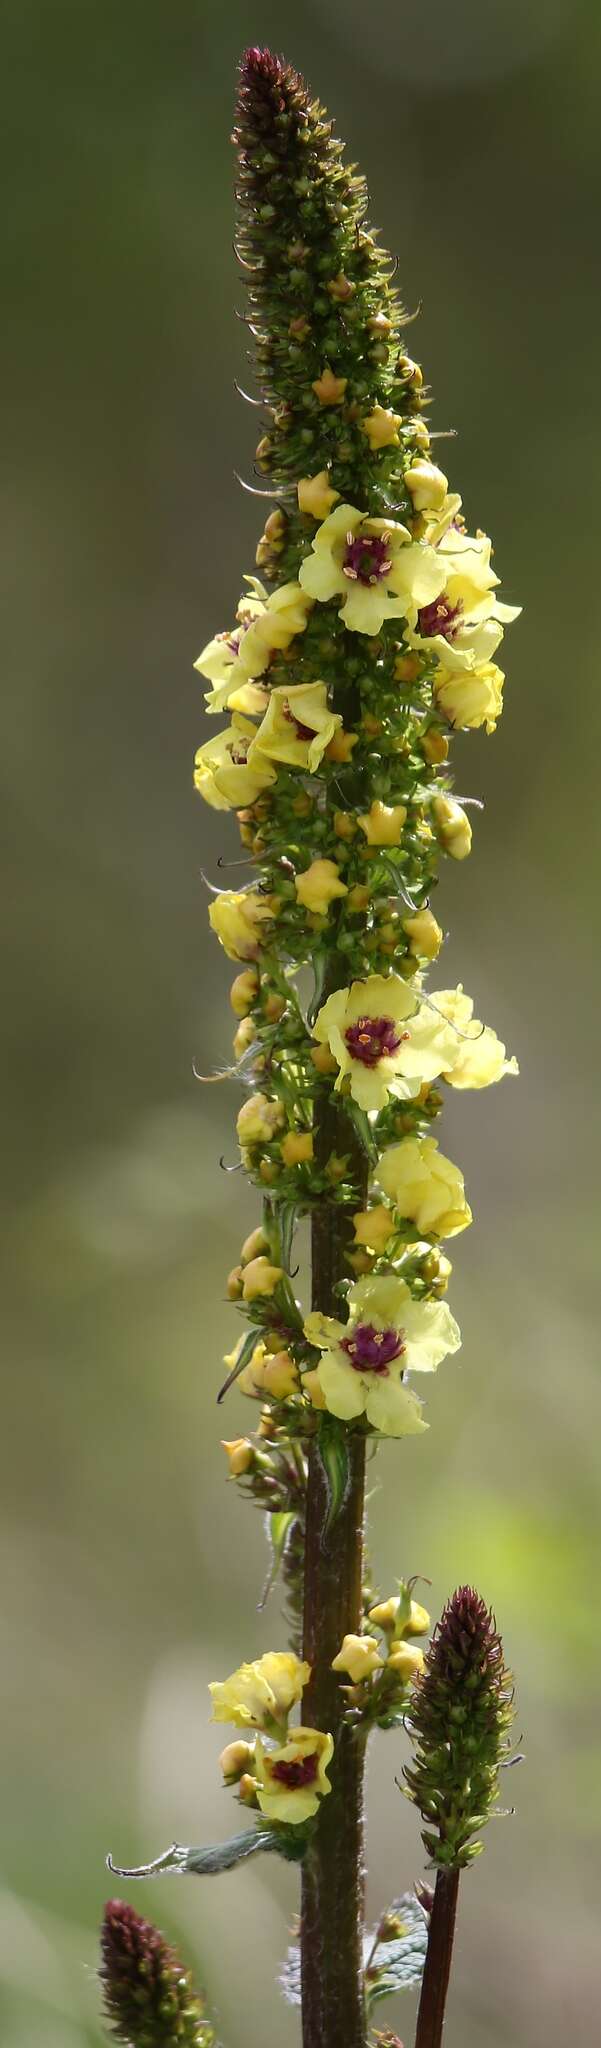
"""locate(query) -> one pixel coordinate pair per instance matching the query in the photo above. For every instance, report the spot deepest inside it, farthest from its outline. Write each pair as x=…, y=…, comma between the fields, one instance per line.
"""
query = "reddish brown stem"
x=435, y=1982
x=333, y=1873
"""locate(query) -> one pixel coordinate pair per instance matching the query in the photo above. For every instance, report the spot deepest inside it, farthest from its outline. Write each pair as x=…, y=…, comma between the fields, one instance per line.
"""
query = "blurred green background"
x=130, y=1573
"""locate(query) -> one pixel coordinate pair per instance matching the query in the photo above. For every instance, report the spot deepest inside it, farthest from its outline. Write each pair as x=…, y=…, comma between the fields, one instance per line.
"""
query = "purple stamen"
x=439, y=617
x=239, y=752
x=304, y=732
x=295, y=1771
x=373, y=1038
x=366, y=560
x=371, y=1350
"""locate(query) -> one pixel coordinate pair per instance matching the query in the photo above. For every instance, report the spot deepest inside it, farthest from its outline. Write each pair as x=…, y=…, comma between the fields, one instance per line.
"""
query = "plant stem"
x=435, y=1982
x=333, y=1875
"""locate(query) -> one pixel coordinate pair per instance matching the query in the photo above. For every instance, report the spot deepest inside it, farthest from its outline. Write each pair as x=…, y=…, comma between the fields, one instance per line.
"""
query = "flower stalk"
x=366, y=640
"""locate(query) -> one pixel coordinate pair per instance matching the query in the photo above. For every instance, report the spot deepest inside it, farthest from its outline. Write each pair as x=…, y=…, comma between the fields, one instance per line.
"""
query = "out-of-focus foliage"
x=128, y=1572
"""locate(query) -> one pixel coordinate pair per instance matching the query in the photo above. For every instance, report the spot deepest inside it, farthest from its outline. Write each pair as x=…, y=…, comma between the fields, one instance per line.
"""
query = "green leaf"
x=250, y=1344
x=278, y=1527
x=285, y=1214
x=181, y=1862
x=389, y=1966
x=398, y=1964
x=334, y=1454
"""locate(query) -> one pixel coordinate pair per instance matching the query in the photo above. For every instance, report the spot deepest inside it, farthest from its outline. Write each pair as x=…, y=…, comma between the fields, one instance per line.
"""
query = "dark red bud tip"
x=261, y=65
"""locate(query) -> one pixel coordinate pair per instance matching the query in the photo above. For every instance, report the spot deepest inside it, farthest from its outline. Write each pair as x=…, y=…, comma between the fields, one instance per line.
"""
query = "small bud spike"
x=148, y=1995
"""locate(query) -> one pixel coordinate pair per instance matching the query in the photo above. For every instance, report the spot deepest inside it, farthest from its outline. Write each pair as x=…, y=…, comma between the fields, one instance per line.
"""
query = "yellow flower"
x=387, y=1335
x=219, y=661
x=291, y=1781
x=479, y=1057
x=222, y=771
x=258, y=1120
x=315, y=495
x=240, y=1455
x=426, y=1188
x=236, y=915
x=384, y=1039
x=453, y=827
x=470, y=697
x=285, y=614
x=427, y=486
x=406, y=1661
x=382, y=428
x=296, y=1147
x=374, y=566
x=424, y=934
x=260, y=1694
x=383, y=824
x=373, y=1227
x=259, y=1277
x=465, y=623
x=358, y=1656
x=329, y=389
x=318, y=885
x=297, y=726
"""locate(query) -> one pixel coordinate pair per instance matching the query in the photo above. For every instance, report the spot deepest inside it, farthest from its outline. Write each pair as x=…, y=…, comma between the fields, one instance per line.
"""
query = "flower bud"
x=254, y=1245
x=244, y=1037
x=244, y=991
x=359, y=1656
x=260, y=1277
x=373, y=1227
x=296, y=1147
x=383, y=824
x=240, y=1454
x=452, y=827
x=434, y=745
x=281, y=1376
x=318, y=885
x=258, y=1120
x=233, y=1285
x=236, y=1759
x=427, y=486
x=405, y=1661
x=424, y=934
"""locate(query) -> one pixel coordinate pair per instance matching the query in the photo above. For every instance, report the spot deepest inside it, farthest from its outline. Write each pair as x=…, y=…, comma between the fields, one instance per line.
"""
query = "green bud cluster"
x=149, y=1998
x=319, y=293
x=461, y=1712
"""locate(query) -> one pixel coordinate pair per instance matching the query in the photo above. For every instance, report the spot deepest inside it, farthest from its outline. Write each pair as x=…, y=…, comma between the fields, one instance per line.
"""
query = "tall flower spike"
x=369, y=636
x=149, y=1998
x=461, y=1712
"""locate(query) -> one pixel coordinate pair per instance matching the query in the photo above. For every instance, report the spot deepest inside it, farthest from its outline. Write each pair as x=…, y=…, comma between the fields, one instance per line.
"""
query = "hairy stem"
x=435, y=1983
x=333, y=1876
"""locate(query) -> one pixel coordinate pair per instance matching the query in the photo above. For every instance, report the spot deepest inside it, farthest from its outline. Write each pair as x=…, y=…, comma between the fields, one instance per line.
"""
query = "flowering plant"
x=368, y=637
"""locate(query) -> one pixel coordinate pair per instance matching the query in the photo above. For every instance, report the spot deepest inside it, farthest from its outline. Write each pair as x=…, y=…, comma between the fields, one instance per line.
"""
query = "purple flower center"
x=238, y=753
x=373, y=1038
x=295, y=1771
x=439, y=617
x=371, y=1350
x=303, y=732
x=238, y=634
x=366, y=560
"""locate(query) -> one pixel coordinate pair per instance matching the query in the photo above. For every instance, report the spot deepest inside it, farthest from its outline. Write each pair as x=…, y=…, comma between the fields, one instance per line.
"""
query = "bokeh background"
x=130, y=1574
